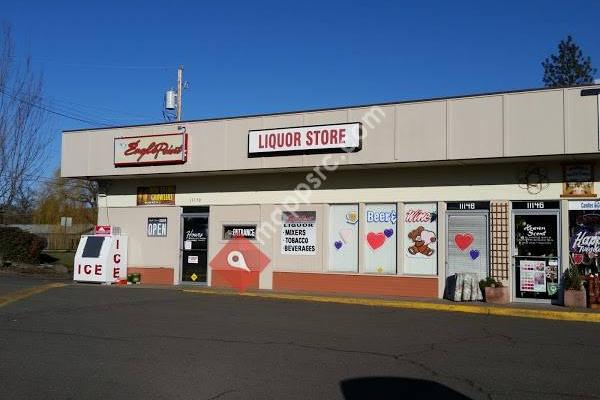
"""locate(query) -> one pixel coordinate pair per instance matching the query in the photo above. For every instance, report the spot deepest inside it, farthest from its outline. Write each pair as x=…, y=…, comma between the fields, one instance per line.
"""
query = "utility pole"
x=179, y=91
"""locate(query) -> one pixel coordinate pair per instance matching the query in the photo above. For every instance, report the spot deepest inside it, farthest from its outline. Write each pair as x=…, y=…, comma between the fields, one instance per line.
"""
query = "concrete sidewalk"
x=524, y=310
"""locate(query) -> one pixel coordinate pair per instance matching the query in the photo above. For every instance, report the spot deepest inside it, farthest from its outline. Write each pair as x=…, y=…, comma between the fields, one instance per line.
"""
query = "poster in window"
x=533, y=276
x=584, y=235
x=536, y=235
x=343, y=238
x=299, y=233
x=379, y=241
x=420, y=242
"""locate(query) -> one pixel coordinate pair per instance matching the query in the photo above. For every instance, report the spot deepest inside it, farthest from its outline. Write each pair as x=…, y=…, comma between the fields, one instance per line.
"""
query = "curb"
x=418, y=305
x=25, y=293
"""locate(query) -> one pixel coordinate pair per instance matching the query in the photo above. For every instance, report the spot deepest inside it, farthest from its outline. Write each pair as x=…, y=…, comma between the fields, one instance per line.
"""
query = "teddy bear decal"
x=421, y=241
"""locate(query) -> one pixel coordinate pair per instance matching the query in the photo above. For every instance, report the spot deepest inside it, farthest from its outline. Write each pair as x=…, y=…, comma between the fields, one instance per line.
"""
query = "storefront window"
x=379, y=242
x=299, y=233
x=420, y=241
x=343, y=238
x=584, y=235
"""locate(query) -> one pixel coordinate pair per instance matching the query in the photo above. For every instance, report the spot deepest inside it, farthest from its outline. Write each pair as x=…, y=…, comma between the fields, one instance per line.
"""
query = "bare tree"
x=66, y=197
x=23, y=138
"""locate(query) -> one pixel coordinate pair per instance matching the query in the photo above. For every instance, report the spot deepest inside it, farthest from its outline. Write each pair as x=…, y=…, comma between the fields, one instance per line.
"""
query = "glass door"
x=536, y=256
x=194, y=248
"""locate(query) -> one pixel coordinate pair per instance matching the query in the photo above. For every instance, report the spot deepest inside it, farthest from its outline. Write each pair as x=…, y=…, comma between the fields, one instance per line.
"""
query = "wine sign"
x=150, y=150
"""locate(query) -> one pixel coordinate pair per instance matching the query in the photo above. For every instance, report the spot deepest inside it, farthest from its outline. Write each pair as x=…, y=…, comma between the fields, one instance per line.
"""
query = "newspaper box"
x=101, y=258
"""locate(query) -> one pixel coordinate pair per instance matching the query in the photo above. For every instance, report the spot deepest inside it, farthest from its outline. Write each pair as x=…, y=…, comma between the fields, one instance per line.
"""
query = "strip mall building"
x=387, y=199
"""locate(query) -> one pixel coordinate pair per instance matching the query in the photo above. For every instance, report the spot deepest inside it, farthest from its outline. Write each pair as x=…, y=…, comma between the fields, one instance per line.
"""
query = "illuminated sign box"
x=156, y=196
x=136, y=151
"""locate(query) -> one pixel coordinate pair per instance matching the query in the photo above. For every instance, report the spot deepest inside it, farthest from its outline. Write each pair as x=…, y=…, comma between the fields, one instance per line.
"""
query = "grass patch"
x=62, y=257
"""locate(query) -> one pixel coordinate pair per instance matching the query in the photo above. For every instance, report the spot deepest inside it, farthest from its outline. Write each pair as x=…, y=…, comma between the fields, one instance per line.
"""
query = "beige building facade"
x=389, y=199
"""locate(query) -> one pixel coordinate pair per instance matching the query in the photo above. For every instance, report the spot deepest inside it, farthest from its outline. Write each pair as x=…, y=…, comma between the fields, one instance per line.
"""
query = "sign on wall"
x=420, y=242
x=343, y=238
x=239, y=231
x=578, y=180
x=299, y=233
x=157, y=227
x=150, y=150
x=156, y=195
x=103, y=230
x=379, y=242
x=305, y=140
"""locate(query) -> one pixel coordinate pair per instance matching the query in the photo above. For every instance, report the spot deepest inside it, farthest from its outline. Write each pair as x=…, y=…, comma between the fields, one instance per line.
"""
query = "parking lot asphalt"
x=10, y=283
x=98, y=342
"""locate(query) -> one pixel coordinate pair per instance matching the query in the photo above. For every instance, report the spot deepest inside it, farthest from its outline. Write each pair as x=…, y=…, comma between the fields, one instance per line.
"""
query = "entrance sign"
x=238, y=231
x=157, y=227
x=305, y=140
x=156, y=195
x=379, y=242
x=299, y=233
x=420, y=241
x=150, y=150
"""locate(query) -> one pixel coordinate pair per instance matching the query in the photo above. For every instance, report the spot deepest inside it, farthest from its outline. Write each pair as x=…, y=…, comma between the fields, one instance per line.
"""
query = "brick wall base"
x=233, y=279
x=154, y=276
x=373, y=285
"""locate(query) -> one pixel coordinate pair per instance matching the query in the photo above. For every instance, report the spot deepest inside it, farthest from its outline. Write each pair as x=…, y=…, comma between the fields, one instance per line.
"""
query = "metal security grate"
x=500, y=241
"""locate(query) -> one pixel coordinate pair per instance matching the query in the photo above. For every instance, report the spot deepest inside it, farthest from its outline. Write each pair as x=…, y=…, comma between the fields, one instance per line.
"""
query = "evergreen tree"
x=568, y=67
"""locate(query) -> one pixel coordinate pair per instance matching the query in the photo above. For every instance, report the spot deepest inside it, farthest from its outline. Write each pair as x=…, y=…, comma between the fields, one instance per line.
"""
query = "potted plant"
x=574, y=294
x=494, y=291
x=593, y=290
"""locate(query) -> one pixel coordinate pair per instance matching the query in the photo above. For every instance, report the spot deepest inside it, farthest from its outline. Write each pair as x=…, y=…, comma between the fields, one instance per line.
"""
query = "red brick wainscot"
x=154, y=275
x=371, y=285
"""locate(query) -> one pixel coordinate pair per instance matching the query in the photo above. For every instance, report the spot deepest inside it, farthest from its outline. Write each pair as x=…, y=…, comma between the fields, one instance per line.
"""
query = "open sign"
x=157, y=227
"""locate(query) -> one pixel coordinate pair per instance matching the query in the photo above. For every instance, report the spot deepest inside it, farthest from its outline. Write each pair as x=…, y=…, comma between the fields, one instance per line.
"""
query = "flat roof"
x=589, y=92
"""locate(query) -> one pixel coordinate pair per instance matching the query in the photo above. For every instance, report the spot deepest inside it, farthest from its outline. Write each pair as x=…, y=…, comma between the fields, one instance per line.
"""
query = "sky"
x=110, y=62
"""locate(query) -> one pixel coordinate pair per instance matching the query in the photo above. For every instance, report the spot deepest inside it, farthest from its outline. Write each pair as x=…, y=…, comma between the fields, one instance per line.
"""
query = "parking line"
x=25, y=293
x=566, y=315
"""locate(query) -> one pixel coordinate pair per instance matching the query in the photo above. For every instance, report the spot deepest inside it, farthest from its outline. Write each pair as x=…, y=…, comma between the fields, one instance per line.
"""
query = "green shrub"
x=489, y=282
x=573, y=279
x=17, y=245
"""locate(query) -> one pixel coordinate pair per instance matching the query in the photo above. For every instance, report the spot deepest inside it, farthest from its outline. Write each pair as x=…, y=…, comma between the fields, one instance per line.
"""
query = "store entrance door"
x=536, y=250
x=194, y=247
x=467, y=249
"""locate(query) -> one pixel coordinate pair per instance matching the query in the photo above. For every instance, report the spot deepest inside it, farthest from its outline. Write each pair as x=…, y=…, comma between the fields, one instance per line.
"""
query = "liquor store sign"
x=150, y=150
x=332, y=138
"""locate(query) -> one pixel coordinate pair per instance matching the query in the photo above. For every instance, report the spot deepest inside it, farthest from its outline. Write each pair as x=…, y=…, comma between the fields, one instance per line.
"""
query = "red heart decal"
x=463, y=240
x=375, y=240
x=577, y=258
